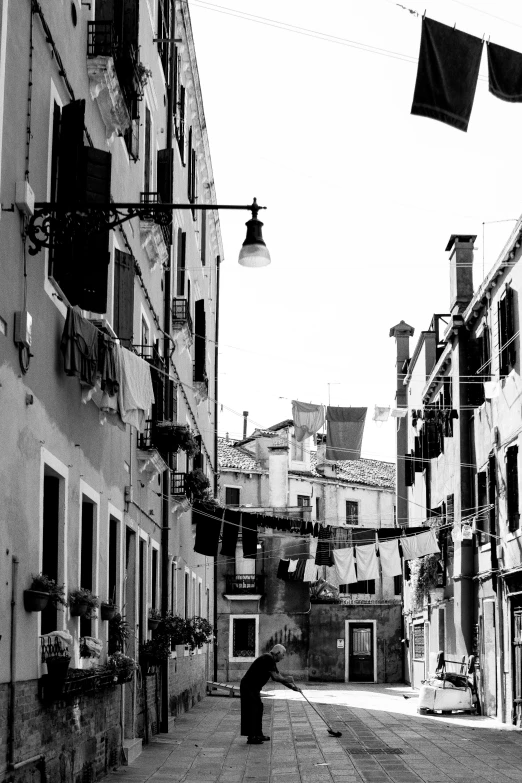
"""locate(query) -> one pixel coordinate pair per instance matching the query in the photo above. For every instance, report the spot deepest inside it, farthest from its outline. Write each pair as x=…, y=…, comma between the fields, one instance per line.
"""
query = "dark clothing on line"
x=447, y=74
x=251, y=705
x=208, y=528
x=79, y=347
x=505, y=73
x=249, y=534
x=230, y=532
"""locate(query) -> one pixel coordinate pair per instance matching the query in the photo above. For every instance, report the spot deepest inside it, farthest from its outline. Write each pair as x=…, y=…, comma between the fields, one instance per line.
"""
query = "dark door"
x=360, y=654
x=517, y=667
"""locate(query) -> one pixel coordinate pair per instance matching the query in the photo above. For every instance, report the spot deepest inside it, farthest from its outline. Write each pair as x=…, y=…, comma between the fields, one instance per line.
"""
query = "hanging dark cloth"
x=447, y=74
x=344, y=433
x=505, y=73
x=79, y=346
x=419, y=465
x=323, y=555
x=249, y=534
x=409, y=473
x=310, y=528
x=230, y=532
x=282, y=570
x=208, y=528
x=316, y=530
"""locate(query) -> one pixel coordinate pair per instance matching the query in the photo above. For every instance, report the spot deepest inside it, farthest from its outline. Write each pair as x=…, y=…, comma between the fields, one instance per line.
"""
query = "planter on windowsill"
x=108, y=611
x=80, y=609
x=152, y=624
x=35, y=600
x=57, y=668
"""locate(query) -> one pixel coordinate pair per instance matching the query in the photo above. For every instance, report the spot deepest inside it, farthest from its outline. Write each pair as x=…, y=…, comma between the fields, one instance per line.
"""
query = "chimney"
x=402, y=333
x=245, y=419
x=278, y=474
x=461, y=271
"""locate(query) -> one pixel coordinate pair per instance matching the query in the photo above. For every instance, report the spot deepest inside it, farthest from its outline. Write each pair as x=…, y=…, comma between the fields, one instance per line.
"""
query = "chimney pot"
x=461, y=270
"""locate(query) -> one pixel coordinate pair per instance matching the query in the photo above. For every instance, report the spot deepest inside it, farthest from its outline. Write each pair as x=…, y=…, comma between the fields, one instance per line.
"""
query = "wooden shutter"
x=164, y=181
x=200, y=342
x=124, y=297
x=510, y=327
x=492, y=496
x=70, y=151
x=190, y=162
x=170, y=405
x=512, y=487
x=181, y=135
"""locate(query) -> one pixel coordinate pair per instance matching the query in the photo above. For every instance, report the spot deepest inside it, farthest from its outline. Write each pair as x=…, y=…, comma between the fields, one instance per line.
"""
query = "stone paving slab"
x=383, y=740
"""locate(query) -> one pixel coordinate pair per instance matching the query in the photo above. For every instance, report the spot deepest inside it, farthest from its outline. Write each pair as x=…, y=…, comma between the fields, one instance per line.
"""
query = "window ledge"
x=239, y=597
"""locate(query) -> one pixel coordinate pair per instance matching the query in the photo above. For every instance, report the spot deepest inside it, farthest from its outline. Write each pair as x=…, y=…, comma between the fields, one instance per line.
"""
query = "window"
x=397, y=584
x=154, y=580
x=506, y=332
x=145, y=335
x=492, y=501
x=512, y=488
x=147, y=158
x=123, y=316
x=142, y=567
x=243, y=637
x=87, y=555
x=164, y=34
x=366, y=586
x=51, y=541
x=482, y=502
x=200, y=344
x=173, y=601
x=114, y=538
x=186, y=605
x=232, y=496
x=303, y=500
x=181, y=257
x=203, y=248
x=352, y=512
x=245, y=566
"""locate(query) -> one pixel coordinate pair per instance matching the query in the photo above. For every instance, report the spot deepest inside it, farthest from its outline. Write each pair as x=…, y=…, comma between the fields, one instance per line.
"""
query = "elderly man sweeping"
x=260, y=671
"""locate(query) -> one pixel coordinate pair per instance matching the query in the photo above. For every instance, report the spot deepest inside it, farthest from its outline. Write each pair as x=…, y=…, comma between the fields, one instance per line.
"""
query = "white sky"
x=362, y=196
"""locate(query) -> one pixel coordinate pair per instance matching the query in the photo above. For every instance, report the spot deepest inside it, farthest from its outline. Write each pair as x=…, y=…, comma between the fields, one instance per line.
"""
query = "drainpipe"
x=165, y=504
x=12, y=667
x=216, y=472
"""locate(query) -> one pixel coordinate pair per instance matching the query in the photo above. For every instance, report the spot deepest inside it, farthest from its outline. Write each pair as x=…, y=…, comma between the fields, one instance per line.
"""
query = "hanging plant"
x=122, y=667
x=200, y=632
x=424, y=577
x=153, y=619
x=119, y=632
x=155, y=651
x=107, y=610
x=43, y=591
x=143, y=73
x=83, y=603
x=176, y=628
x=198, y=485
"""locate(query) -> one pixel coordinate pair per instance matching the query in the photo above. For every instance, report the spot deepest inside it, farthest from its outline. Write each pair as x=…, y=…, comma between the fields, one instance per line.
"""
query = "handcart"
x=451, y=689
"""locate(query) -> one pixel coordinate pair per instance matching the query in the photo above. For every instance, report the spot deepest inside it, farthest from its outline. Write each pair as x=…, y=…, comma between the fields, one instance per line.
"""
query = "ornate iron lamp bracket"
x=55, y=224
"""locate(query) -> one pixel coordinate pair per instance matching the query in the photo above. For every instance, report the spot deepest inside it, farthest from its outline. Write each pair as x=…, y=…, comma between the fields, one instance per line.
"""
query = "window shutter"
x=512, y=487
x=203, y=237
x=164, y=180
x=181, y=136
x=124, y=297
x=200, y=342
x=182, y=249
x=190, y=162
x=510, y=327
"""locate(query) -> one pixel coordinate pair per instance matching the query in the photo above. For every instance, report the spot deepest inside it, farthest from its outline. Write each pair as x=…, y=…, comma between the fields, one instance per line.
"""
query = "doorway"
x=360, y=658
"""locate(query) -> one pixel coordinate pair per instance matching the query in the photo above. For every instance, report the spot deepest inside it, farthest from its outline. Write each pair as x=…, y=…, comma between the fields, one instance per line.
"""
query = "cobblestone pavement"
x=383, y=739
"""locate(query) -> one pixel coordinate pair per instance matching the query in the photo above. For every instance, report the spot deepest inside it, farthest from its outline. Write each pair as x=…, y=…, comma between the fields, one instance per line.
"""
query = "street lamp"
x=54, y=224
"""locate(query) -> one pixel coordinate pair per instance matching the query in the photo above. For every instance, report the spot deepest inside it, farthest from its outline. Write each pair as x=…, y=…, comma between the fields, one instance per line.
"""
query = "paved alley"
x=383, y=739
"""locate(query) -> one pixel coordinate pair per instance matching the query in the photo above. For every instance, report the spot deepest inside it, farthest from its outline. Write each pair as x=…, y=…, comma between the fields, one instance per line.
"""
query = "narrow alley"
x=383, y=739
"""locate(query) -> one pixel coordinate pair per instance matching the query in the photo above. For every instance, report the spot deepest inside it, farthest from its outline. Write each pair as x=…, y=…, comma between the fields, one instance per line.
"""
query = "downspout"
x=216, y=472
x=12, y=667
x=165, y=504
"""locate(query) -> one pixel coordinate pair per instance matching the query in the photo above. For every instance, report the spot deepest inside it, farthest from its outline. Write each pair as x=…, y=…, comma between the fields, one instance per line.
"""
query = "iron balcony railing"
x=246, y=583
x=178, y=484
x=153, y=197
x=102, y=41
x=181, y=313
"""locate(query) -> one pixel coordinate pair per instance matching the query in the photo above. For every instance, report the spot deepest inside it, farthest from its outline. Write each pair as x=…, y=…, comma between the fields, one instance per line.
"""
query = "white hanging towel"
x=345, y=565
x=292, y=566
x=310, y=572
x=135, y=394
x=367, y=567
x=399, y=413
x=390, y=558
x=313, y=547
x=381, y=414
x=419, y=545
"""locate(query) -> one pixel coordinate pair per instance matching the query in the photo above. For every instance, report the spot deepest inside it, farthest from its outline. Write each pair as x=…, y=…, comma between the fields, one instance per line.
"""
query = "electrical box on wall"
x=23, y=323
x=24, y=198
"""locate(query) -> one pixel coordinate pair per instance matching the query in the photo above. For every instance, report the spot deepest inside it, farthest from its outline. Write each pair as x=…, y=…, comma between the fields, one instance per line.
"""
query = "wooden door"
x=517, y=667
x=361, y=652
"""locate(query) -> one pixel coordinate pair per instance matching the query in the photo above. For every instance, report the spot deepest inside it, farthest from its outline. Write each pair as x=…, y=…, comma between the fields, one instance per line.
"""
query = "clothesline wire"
x=268, y=556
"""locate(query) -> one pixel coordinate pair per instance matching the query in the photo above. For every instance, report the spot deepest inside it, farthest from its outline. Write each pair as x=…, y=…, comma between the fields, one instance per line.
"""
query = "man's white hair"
x=277, y=648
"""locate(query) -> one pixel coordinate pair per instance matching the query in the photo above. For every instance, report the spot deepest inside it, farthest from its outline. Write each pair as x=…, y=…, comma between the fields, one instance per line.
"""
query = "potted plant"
x=155, y=651
x=42, y=591
x=57, y=667
x=108, y=610
x=176, y=628
x=118, y=633
x=153, y=619
x=200, y=631
x=122, y=667
x=83, y=603
x=183, y=438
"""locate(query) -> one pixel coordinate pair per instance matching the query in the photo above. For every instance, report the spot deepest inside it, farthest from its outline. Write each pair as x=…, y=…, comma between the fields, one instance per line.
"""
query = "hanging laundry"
x=308, y=419
x=324, y=545
x=332, y=577
x=292, y=566
x=298, y=573
x=208, y=528
x=345, y=565
x=282, y=569
x=313, y=547
x=135, y=393
x=417, y=451
x=447, y=74
x=249, y=534
x=505, y=73
x=419, y=545
x=390, y=558
x=381, y=414
x=232, y=519
x=367, y=566
x=344, y=433
x=310, y=572
x=409, y=470
x=79, y=347
x=399, y=413
x=491, y=390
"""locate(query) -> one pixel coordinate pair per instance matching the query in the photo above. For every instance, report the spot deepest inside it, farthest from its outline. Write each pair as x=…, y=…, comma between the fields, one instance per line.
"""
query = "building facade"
x=271, y=473
x=460, y=452
x=100, y=103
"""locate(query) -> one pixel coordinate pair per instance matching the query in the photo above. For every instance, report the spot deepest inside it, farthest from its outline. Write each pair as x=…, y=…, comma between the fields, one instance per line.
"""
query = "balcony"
x=181, y=314
x=245, y=584
x=178, y=484
x=110, y=71
x=155, y=238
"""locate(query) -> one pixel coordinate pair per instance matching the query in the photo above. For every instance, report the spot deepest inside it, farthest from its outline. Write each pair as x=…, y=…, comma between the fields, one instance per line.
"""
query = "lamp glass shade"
x=254, y=256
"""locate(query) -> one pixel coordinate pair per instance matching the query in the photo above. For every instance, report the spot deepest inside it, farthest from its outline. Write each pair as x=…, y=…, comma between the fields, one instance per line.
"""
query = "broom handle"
x=317, y=711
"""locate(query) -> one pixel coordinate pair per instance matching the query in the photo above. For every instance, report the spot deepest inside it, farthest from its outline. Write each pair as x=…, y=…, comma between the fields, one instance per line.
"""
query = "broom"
x=330, y=730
